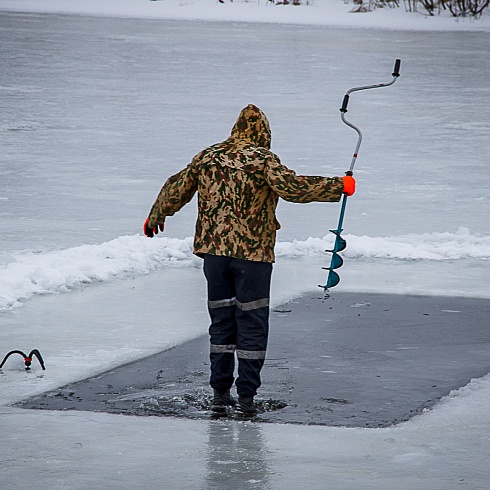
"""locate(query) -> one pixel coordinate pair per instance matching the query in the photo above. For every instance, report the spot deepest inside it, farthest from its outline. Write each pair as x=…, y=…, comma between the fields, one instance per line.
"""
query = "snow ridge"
x=23, y=275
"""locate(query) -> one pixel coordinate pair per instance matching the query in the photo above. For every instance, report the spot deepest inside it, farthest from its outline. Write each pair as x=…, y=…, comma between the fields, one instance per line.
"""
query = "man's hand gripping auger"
x=336, y=261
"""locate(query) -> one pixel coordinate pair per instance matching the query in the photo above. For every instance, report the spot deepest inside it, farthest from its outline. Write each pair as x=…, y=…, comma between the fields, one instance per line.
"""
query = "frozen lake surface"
x=89, y=135
x=97, y=112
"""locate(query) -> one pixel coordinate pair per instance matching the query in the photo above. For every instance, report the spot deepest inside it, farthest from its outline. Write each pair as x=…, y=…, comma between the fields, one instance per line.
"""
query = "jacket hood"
x=252, y=125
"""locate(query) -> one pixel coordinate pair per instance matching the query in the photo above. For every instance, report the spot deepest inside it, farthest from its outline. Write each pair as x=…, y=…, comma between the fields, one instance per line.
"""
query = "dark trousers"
x=238, y=303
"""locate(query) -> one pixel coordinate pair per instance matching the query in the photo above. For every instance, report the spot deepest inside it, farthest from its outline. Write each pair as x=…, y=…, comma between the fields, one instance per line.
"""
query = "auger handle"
x=395, y=75
x=396, y=71
x=345, y=102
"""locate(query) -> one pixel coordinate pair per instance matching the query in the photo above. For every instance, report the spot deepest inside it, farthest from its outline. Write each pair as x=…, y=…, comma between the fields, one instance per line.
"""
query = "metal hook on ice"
x=27, y=358
x=340, y=244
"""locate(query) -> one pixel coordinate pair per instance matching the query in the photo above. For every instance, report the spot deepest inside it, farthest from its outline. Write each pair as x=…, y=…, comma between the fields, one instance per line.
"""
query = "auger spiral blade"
x=340, y=243
x=335, y=262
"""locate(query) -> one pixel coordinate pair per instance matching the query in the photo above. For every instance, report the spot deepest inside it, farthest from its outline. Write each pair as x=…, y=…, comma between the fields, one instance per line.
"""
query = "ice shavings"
x=24, y=275
x=60, y=271
x=472, y=398
x=426, y=246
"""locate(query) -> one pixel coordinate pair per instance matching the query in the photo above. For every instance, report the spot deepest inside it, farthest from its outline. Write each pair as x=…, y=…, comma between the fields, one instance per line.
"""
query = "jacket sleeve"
x=177, y=191
x=301, y=188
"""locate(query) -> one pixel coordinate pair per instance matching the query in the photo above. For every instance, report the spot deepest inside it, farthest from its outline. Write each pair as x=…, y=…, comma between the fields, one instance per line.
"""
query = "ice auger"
x=336, y=261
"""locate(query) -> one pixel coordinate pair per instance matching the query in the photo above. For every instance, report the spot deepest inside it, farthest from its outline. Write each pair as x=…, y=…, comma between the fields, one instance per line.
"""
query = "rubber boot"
x=222, y=401
x=246, y=405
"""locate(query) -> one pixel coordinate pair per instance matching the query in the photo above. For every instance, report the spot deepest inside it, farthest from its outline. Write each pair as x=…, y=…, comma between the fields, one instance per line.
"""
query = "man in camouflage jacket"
x=239, y=183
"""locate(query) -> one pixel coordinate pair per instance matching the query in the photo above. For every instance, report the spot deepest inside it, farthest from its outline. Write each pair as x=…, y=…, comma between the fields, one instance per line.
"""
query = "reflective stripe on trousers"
x=241, y=354
x=251, y=305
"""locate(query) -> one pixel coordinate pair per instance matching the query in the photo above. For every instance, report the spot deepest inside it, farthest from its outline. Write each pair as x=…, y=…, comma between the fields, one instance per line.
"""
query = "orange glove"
x=349, y=185
x=149, y=232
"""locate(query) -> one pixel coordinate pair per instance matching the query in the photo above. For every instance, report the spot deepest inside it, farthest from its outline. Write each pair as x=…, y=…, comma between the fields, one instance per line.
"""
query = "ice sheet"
x=89, y=134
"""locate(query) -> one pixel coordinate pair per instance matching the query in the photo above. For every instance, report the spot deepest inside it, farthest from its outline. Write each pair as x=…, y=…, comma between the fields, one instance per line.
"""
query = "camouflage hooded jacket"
x=239, y=183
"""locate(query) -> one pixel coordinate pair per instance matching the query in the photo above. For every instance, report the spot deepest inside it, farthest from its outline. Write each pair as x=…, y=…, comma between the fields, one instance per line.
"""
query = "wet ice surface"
x=355, y=360
x=89, y=135
x=431, y=451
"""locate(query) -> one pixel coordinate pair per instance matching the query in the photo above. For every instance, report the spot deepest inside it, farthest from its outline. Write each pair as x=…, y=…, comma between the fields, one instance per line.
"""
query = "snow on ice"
x=26, y=274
